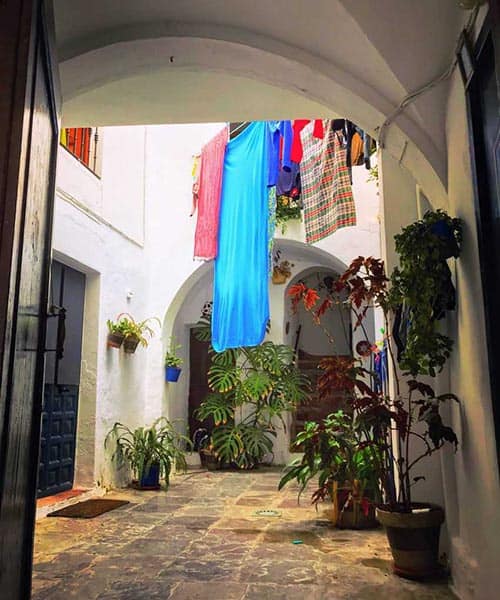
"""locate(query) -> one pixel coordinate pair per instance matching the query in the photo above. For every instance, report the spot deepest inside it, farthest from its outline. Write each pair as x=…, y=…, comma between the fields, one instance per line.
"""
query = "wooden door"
x=29, y=117
x=199, y=363
x=62, y=380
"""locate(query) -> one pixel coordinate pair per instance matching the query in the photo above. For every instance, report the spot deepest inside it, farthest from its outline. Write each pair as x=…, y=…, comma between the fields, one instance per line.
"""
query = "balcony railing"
x=82, y=143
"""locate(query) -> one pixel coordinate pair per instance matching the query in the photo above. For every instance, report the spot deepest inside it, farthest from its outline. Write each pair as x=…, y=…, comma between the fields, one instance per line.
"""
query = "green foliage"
x=340, y=448
x=251, y=387
x=423, y=288
x=171, y=358
x=287, y=209
x=130, y=328
x=140, y=448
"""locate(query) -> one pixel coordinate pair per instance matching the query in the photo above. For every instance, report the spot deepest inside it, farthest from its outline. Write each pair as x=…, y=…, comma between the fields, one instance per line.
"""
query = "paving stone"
x=203, y=539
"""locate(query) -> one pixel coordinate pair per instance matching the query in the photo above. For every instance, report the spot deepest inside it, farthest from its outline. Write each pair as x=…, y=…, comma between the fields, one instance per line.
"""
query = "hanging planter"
x=130, y=344
x=172, y=374
x=115, y=333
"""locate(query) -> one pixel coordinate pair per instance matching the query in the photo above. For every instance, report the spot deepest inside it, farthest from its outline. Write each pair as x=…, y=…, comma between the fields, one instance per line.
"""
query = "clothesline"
x=240, y=176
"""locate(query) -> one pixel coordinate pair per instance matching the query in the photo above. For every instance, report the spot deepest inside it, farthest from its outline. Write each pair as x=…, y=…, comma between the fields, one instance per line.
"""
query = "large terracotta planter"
x=414, y=539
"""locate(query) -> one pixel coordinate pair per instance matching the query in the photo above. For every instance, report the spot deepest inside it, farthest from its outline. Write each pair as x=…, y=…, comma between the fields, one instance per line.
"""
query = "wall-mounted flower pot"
x=130, y=344
x=279, y=278
x=442, y=230
x=115, y=340
x=414, y=539
x=172, y=374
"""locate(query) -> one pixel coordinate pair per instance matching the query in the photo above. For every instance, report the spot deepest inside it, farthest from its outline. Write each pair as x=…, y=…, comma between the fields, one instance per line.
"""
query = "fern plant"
x=252, y=388
x=143, y=447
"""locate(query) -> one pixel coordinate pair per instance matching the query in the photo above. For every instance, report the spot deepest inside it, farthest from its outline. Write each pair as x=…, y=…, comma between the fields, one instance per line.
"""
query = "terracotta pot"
x=115, y=340
x=279, y=278
x=360, y=512
x=414, y=539
x=130, y=344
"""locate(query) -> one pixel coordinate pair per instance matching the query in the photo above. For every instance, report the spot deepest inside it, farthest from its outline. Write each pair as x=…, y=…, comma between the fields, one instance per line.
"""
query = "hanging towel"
x=326, y=186
x=206, y=196
x=241, y=287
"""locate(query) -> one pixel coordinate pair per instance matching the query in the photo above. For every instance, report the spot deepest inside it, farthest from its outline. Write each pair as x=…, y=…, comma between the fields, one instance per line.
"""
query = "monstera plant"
x=252, y=390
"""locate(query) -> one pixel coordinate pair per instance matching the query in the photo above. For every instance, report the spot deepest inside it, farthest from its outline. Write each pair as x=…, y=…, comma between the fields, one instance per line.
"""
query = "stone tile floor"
x=203, y=540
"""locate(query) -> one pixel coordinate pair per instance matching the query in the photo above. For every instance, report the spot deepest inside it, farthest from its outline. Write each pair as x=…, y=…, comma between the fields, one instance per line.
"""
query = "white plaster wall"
x=131, y=233
x=471, y=476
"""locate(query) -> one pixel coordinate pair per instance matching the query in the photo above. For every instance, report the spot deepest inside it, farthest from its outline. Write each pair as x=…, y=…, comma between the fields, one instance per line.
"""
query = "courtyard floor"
x=203, y=539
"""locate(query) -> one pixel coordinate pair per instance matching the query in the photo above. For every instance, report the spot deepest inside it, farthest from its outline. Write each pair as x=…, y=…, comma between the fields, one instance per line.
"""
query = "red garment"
x=206, y=195
x=298, y=125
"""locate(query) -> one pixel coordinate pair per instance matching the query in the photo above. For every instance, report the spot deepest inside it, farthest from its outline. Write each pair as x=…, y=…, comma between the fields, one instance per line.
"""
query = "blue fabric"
x=278, y=130
x=241, y=288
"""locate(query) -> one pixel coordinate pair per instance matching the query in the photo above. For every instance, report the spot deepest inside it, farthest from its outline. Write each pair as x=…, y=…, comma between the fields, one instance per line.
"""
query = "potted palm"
x=173, y=363
x=151, y=452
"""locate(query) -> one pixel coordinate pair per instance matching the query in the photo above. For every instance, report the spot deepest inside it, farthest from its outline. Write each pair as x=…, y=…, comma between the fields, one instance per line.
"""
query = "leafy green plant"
x=115, y=326
x=142, y=447
x=422, y=290
x=287, y=209
x=139, y=330
x=251, y=389
x=394, y=423
x=171, y=358
x=340, y=448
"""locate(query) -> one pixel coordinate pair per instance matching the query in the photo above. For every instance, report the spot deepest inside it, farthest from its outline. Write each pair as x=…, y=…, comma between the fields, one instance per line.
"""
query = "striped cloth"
x=326, y=185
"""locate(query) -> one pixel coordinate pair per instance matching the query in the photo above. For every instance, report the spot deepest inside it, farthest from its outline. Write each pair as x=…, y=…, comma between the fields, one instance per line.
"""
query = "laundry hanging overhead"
x=241, y=289
x=326, y=186
x=207, y=194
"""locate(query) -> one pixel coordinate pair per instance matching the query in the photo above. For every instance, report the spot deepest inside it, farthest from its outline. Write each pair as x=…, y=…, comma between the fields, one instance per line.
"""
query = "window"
x=82, y=143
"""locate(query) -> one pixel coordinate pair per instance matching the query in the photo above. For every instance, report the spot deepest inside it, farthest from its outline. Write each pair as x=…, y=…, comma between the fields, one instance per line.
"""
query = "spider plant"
x=144, y=447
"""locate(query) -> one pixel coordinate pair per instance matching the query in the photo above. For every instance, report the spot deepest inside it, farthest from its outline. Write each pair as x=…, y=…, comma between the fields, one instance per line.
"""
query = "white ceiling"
x=132, y=62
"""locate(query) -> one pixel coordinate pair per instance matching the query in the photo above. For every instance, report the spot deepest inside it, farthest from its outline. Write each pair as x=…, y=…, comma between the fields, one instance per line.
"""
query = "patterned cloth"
x=326, y=186
x=271, y=227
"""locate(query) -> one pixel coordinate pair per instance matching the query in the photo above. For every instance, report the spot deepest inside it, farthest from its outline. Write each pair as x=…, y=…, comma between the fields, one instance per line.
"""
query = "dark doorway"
x=62, y=380
x=199, y=363
x=484, y=102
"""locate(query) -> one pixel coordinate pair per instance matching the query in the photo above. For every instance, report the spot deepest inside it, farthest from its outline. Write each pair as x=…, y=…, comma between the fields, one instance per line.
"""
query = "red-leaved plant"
x=362, y=286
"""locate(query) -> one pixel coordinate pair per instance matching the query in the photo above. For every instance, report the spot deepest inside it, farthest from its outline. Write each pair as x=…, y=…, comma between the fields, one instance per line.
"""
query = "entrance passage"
x=199, y=363
x=62, y=381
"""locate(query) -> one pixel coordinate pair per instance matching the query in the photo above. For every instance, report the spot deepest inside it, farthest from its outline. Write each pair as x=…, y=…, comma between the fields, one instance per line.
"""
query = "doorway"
x=62, y=380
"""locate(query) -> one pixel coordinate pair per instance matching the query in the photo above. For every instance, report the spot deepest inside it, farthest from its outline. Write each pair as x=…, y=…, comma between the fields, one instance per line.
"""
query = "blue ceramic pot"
x=172, y=374
x=151, y=479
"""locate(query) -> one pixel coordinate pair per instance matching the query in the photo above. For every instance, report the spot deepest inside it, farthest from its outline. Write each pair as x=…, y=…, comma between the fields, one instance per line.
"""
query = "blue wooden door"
x=62, y=381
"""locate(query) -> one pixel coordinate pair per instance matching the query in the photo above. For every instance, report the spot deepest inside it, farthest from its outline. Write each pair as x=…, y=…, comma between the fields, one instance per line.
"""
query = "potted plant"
x=288, y=208
x=115, y=334
x=137, y=332
x=411, y=414
x=341, y=453
x=282, y=269
x=173, y=362
x=151, y=452
x=252, y=388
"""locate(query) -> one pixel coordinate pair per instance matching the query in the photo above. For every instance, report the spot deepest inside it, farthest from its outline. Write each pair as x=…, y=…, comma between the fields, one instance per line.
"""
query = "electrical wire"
x=407, y=100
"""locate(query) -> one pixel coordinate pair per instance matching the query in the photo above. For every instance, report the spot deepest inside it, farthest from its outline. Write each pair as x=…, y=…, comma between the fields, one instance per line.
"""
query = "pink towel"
x=206, y=196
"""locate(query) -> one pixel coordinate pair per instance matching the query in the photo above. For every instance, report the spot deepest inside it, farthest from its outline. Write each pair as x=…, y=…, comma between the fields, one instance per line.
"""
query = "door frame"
x=29, y=61
x=490, y=30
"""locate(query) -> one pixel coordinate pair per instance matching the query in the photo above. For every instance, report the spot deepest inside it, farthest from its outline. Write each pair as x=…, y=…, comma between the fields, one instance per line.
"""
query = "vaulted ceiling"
x=159, y=61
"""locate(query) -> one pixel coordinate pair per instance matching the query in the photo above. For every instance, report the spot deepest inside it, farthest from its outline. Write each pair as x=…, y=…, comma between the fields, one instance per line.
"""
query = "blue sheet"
x=241, y=285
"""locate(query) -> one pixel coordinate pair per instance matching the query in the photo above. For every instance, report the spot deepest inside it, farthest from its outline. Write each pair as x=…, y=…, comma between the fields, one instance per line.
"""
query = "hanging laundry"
x=207, y=194
x=357, y=157
x=288, y=179
x=281, y=139
x=326, y=187
x=296, y=151
x=241, y=287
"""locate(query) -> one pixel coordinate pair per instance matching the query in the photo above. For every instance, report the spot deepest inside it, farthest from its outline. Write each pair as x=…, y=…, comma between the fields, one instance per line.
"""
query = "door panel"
x=29, y=117
x=62, y=381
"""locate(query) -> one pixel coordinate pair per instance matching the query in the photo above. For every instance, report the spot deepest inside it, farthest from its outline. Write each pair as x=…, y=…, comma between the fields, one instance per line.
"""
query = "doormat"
x=88, y=509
